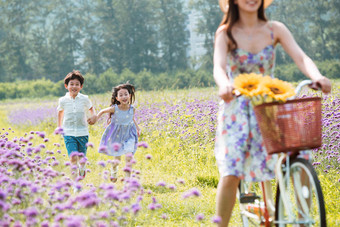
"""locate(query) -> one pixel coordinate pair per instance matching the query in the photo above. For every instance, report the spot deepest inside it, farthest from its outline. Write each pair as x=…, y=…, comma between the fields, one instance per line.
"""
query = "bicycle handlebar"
x=309, y=83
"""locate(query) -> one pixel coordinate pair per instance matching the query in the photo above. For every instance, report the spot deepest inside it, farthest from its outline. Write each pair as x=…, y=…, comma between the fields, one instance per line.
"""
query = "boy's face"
x=123, y=96
x=73, y=87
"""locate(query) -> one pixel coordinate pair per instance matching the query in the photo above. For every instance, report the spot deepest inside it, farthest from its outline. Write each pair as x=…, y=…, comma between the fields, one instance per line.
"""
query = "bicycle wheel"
x=304, y=195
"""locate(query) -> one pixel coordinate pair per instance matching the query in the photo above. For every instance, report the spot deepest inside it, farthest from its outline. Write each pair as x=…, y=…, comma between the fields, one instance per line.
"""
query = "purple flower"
x=31, y=212
x=101, y=163
x=74, y=221
x=216, y=219
x=116, y=146
x=148, y=156
x=161, y=184
x=103, y=149
x=89, y=144
x=181, y=181
x=2, y=195
x=142, y=144
x=200, y=217
x=191, y=192
x=59, y=131
x=135, y=208
x=172, y=187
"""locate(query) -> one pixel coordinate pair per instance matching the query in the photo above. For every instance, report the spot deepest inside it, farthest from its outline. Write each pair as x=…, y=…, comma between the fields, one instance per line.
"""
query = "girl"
x=244, y=43
x=121, y=135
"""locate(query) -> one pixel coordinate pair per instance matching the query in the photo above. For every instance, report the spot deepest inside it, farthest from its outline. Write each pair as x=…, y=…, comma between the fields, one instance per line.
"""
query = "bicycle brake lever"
x=236, y=93
x=315, y=86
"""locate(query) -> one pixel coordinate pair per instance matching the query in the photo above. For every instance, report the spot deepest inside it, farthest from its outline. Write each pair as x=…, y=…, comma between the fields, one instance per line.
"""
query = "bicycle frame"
x=283, y=175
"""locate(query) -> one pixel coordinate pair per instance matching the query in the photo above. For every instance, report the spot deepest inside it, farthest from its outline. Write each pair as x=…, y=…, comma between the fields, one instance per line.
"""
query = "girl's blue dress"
x=120, y=133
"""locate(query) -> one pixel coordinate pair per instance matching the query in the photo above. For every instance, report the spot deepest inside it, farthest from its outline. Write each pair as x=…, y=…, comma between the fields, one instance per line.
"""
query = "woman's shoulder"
x=221, y=33
x=277, y=25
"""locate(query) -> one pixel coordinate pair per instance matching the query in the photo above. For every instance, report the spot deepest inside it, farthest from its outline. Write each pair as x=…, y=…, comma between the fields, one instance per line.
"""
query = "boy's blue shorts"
x=76, y=143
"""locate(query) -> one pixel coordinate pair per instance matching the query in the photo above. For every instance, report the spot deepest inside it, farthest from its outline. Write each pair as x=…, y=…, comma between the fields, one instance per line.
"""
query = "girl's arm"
x=94, y=118
x=220, y=64
x=304, y=63
x=134, y=120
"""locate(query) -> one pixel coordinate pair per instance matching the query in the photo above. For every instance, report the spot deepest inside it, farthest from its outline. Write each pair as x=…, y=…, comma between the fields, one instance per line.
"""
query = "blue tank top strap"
x=271, y=31
x=273, y=42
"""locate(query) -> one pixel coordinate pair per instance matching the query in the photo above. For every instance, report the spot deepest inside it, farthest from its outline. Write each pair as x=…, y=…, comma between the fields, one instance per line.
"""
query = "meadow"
x=175, y=174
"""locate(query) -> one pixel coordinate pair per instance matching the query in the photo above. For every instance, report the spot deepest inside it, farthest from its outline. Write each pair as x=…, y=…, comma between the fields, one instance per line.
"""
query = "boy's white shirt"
x=74, y=120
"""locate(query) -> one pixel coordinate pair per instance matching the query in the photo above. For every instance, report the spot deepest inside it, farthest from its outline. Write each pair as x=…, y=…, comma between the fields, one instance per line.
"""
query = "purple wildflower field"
x=173, y=171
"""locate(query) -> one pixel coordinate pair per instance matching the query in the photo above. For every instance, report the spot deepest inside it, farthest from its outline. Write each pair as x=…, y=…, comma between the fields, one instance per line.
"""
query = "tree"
x=15, y=21
x=173, y=34
x=207, y=25
x=130, y=35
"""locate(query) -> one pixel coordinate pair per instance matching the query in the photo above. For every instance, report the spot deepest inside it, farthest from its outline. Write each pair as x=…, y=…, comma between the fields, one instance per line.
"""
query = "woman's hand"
x=226, y=92
x=325, y=84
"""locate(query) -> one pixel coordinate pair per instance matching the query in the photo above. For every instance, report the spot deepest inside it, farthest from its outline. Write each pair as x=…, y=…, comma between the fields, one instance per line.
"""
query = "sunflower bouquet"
x=263, y=89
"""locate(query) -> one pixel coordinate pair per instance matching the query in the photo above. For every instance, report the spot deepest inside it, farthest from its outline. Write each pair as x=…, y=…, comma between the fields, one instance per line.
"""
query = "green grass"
x=172, y=159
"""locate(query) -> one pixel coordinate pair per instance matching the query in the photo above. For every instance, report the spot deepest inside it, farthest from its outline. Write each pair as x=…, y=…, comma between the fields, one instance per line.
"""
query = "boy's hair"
x=75, y=74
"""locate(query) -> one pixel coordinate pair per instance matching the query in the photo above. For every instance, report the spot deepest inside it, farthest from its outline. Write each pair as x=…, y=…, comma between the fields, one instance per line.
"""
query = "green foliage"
x=144, y=80
x=290, y=72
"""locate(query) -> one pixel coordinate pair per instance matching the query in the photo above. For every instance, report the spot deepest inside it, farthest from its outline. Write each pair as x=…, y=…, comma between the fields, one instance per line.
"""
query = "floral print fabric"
x=239, y=148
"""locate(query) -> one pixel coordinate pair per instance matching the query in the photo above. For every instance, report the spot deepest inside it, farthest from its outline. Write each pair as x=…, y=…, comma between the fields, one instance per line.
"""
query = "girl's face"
x=248, y=5
x=123, y=96
x=74, y=86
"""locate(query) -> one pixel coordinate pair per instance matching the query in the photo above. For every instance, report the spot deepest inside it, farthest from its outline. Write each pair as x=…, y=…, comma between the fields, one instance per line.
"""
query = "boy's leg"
x=71, y=146
x=82, y=141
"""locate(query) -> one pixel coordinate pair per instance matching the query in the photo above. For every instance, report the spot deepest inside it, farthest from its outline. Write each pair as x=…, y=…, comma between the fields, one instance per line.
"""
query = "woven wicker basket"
x=291, y=126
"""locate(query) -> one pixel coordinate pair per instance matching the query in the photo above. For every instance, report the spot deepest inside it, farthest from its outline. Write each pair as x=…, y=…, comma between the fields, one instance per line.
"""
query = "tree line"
x=47, y=39
x=144, y=80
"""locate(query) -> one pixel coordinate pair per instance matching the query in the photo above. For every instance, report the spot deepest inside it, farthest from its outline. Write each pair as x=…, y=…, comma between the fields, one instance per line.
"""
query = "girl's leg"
x=128, y=159
x=225, y=198
x=114, y=171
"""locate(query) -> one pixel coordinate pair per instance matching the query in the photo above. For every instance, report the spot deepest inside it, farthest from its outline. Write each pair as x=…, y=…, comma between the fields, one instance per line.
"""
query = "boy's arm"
x=60, y=118
x=93, y=115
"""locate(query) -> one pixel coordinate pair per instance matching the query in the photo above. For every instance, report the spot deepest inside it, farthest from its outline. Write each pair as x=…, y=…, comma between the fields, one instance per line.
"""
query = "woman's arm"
x=220, y=64
x=304, y=63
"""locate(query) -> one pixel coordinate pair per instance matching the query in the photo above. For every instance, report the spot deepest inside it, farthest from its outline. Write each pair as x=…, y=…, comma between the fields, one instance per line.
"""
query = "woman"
x=245, y=42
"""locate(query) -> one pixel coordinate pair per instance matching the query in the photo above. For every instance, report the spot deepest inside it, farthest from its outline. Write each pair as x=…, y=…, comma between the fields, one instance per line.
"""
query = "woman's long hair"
x=231, y=16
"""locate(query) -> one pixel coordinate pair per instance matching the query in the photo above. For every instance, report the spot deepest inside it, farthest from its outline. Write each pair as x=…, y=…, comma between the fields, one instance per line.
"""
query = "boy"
x=72, y=119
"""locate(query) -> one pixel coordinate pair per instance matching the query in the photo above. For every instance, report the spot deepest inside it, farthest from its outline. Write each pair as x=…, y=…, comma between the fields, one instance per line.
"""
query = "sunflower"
x=277, y=89
x=248, y=84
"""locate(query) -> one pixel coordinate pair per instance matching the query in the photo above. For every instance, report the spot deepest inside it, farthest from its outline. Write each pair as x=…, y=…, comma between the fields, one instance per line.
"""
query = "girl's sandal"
x=113, y=176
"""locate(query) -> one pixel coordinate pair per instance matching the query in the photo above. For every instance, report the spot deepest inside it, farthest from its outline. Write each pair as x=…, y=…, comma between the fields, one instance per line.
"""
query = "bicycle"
x=299, y=201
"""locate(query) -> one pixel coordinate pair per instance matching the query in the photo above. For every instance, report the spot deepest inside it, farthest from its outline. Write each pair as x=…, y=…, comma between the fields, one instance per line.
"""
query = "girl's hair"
x=129, y=87
x=231, y=16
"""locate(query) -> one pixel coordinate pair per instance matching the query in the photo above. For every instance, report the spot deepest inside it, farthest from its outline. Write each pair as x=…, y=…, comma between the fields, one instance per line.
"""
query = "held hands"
x=325, y=84
x=92, y=120
x=226, y=92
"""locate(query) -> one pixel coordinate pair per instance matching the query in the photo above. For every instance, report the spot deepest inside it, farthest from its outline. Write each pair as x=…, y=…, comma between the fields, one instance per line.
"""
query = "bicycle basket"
x=291, y=126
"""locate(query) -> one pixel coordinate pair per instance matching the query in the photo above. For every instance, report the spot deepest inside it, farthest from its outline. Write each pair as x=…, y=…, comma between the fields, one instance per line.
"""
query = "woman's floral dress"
x=239, y=149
